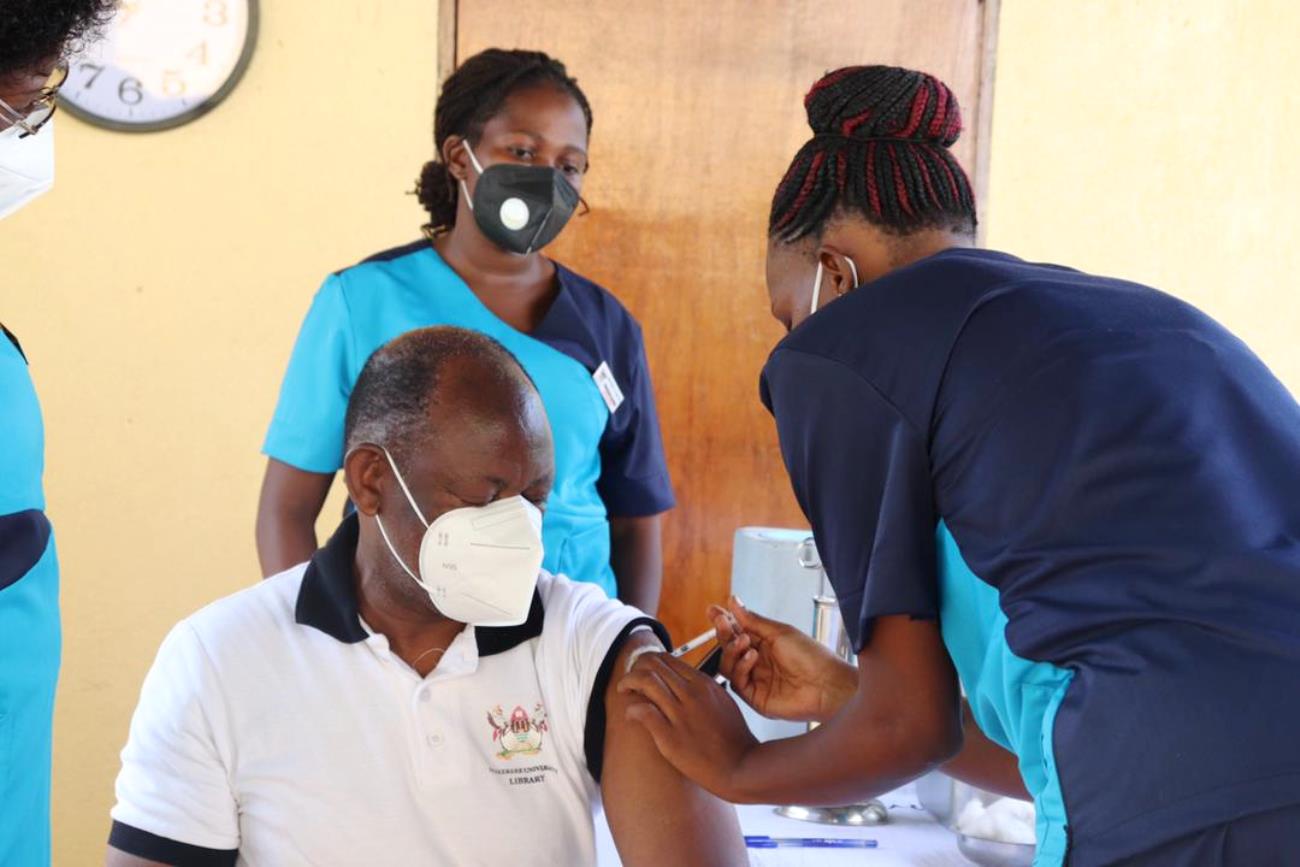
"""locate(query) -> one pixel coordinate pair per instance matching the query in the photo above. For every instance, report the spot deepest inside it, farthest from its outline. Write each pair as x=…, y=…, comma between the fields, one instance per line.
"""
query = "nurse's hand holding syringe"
x=778, y=670
x=784, y=674
x=873, y=743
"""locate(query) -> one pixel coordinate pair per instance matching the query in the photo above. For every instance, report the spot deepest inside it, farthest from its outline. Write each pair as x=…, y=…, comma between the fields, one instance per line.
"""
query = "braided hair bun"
x=884, y=102
x=880, y=149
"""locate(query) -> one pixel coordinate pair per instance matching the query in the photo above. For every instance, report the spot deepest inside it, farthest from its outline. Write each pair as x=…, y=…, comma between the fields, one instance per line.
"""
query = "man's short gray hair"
x=391, y=399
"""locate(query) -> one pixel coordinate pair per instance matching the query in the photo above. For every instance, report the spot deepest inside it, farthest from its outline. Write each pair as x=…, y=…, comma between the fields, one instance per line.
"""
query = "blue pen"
x=762, y=841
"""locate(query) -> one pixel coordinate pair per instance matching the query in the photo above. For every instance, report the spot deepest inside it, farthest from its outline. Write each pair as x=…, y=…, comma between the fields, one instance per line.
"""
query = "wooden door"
x=698, y=111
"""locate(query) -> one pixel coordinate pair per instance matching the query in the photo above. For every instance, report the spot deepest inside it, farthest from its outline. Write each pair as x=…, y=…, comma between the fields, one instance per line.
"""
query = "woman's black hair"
x=473, y=95
x=35, y=32
x=880, y=150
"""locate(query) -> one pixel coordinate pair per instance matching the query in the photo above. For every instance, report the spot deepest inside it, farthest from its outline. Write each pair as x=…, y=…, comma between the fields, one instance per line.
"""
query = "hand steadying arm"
x=902, y=721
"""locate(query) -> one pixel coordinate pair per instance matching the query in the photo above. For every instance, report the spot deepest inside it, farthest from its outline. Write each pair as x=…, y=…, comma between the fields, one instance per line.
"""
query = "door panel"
x=698, y=111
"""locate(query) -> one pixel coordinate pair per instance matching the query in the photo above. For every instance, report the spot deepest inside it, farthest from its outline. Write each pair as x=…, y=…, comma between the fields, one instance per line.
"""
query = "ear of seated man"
x=655, y=814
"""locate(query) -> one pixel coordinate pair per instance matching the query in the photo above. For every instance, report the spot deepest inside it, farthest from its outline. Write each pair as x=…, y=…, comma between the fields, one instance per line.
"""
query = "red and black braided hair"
x=880, y=150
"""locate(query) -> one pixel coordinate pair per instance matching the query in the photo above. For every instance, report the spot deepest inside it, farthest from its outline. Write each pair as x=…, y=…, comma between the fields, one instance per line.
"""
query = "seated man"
x=349, y=712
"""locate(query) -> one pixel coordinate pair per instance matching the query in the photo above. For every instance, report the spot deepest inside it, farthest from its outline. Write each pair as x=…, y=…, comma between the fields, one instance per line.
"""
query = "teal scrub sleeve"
x=307, y=429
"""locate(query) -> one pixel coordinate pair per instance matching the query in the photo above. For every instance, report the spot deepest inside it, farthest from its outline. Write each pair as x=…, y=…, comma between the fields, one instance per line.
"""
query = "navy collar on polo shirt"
x=327, y=599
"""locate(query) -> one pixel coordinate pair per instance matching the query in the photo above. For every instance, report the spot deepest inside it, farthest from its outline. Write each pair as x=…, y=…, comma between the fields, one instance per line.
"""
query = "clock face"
x=161, y=63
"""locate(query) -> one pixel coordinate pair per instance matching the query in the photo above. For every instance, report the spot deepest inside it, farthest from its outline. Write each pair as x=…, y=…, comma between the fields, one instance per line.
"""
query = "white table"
x=911, y=838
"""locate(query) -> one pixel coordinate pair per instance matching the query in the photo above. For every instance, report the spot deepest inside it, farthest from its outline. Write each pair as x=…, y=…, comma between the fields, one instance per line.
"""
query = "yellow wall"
x=1156, y=140
x=157, y=291
x=159, y=287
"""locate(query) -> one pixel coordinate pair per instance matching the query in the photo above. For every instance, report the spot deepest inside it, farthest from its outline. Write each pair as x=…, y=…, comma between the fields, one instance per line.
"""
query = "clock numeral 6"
x=129, y=92
x=214, y=12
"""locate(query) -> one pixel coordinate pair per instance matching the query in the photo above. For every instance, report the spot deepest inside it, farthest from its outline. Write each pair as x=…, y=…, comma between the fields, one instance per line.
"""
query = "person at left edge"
x=511, y=128
x=35, y=37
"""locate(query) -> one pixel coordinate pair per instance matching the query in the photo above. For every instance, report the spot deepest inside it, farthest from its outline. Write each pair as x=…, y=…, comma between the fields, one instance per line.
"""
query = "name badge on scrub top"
x=608, y=387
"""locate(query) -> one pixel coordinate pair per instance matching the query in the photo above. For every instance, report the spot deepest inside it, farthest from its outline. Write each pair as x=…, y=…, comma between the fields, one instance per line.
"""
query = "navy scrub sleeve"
x=862, y=477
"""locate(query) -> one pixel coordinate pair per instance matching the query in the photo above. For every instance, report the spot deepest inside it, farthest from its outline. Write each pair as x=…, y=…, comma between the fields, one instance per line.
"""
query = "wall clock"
x=162, y=63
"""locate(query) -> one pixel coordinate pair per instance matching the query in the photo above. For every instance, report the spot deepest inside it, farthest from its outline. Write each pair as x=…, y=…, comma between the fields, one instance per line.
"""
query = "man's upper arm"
x=643, y=794
x=174, y=800
x=655, y=814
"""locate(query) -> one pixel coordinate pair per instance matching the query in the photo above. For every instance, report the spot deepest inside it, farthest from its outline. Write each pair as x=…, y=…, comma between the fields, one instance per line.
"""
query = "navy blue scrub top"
x=1095, y=489
x=606, y=463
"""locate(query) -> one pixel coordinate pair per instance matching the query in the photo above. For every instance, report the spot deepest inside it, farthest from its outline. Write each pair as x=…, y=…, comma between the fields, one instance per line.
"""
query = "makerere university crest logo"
x=520, y=734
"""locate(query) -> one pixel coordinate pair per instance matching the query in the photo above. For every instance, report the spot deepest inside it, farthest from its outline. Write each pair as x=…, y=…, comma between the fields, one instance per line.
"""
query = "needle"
x=698, y=641
x=702, y=638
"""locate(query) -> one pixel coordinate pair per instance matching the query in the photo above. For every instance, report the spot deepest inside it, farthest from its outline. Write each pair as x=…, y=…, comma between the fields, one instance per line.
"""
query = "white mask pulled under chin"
x=817, y=282
x=26, y=166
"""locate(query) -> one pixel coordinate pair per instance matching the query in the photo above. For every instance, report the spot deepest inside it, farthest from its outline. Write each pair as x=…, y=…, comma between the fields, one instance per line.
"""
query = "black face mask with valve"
x=521, y=208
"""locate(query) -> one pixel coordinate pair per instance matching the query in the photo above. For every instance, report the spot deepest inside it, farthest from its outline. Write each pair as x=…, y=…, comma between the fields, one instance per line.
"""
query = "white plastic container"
x=769, y=577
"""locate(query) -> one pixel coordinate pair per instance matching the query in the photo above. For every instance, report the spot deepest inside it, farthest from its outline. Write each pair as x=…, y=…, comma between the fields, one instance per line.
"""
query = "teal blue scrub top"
x=606, y=463
x=30, y=637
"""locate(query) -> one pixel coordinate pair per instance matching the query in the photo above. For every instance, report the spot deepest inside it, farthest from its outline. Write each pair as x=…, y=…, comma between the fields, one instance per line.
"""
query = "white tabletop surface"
x=911, y=838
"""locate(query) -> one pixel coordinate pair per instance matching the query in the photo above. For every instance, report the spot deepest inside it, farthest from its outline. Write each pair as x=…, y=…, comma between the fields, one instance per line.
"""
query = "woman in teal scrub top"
x=511, y=129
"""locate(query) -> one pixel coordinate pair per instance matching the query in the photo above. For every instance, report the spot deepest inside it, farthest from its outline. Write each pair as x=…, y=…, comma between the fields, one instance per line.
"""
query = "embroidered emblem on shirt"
x=520, y=734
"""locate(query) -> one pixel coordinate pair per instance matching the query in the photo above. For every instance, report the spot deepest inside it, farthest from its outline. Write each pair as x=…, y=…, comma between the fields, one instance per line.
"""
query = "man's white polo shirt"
x=275, y=729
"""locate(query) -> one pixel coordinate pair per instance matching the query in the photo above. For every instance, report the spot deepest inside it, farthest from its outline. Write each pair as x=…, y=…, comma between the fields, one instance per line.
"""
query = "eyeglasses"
x=38, y=112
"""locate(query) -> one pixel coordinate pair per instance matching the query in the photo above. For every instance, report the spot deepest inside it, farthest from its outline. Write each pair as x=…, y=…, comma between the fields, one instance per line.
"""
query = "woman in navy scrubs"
x=511, y=129
x=1077, y=497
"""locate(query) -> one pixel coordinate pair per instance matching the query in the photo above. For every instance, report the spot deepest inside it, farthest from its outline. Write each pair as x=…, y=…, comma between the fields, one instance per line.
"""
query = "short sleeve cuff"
x=593, y=742
x=143, y=844
x=637, y=498
x=298, y=454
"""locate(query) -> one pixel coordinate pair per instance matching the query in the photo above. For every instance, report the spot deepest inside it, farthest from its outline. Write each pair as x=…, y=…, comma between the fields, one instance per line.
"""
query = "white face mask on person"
x=817, y=282
x=26, y=166
x=478, y=564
